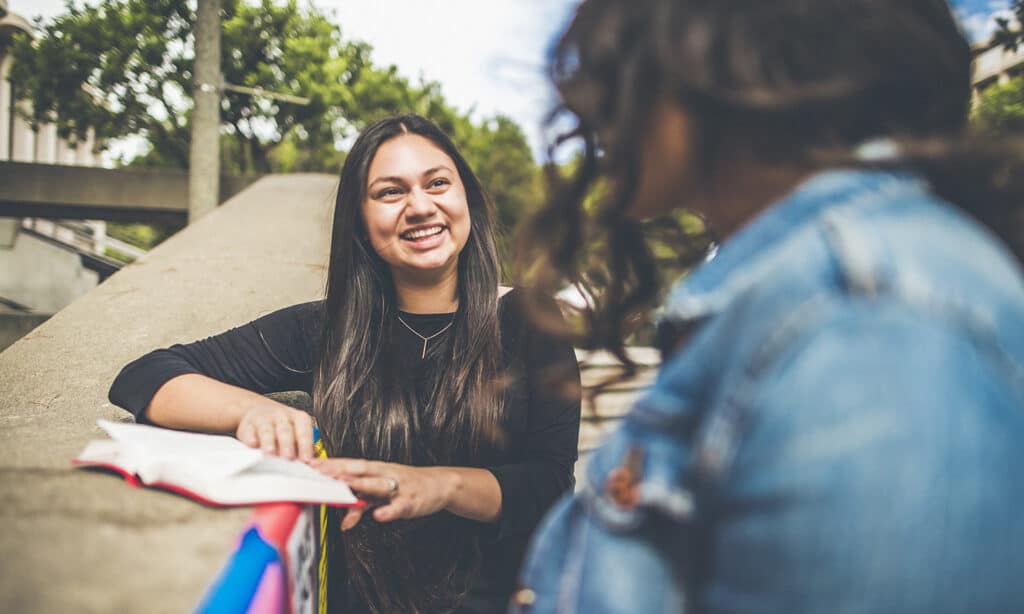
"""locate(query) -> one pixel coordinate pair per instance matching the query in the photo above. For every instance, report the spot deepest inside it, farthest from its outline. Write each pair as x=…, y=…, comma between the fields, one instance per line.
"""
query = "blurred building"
x=44, y=264
x=995, y=65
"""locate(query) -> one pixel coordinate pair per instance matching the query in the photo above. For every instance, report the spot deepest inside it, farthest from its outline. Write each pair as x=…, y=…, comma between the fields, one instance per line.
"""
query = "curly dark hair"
x=803, y=81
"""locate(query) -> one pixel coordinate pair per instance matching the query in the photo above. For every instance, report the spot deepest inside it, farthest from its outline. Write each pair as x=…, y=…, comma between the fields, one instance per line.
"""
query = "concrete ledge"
x=79, y=541
x=14, y=326
x=81, y=192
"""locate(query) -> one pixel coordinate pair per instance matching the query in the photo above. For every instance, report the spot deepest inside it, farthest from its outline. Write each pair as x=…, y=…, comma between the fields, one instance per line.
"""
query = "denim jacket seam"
x=973, y=324
x=725, y=423
x=721, y=435
x=978, y=326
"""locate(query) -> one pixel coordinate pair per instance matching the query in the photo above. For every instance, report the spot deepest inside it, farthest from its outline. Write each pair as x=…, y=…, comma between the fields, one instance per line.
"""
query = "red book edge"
x=134, y=480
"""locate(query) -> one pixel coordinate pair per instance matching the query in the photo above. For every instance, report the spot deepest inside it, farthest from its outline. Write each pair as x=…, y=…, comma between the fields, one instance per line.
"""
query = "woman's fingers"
x=303, y=435
x=392, y=511
x=247, y=434
x=351, y=518
x=265, y=434
x=285, y=433
x=256, y=433
x=345, y=468
x=378, y=487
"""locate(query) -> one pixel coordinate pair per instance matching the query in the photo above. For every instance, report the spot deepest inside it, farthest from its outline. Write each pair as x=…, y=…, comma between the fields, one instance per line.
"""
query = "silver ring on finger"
x=392, y=487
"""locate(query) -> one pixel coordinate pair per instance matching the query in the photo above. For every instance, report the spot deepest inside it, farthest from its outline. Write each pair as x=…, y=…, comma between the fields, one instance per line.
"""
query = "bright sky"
x=488, y=55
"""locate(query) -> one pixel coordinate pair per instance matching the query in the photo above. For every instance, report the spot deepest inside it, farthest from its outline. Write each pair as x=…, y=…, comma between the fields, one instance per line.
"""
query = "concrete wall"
x=14, y=326
x=78, y=541
x=41, y=275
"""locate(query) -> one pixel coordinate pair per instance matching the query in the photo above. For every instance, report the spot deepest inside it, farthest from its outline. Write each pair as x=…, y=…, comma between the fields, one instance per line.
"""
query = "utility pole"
x=204, y=154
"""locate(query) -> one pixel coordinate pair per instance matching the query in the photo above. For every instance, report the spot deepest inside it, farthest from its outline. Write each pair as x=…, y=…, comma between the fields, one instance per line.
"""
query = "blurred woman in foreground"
x=839, y=421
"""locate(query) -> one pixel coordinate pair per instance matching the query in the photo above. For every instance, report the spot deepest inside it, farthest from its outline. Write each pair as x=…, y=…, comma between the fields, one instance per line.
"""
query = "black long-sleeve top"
x=541, y=422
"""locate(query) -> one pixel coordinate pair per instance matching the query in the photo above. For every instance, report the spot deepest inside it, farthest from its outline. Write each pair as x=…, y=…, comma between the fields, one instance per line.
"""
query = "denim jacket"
x=842, y=432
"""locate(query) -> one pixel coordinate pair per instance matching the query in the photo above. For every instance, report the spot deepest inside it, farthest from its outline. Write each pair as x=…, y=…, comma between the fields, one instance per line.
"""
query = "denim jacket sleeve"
x=866, y=461
x=622, y=549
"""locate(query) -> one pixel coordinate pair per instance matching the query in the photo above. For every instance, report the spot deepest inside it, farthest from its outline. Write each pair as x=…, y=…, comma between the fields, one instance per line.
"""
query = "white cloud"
x=488, y=56
x=980, y=25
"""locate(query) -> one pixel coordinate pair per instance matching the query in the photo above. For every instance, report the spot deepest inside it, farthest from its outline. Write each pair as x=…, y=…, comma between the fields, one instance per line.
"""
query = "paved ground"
x=75, y=541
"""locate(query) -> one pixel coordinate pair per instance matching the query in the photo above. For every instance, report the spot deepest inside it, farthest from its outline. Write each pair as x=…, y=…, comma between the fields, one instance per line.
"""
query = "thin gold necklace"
x=425, y=339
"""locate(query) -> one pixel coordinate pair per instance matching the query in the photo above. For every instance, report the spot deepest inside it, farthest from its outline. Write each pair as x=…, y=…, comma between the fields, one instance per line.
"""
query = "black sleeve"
x=271, y=354
x=545, y=472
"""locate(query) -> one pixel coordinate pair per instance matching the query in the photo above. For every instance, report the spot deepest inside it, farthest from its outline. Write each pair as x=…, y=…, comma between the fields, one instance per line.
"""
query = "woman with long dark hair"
x=839, y=420
x=430, y=390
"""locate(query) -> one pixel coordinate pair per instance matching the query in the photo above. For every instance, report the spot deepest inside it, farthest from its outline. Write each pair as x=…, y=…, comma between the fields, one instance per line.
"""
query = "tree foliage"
x=124, y=68
x=1000, y=109
x=1010, y=33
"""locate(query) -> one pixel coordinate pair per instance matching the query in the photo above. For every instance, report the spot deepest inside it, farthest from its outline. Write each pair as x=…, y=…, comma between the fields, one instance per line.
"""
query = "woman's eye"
x=387, y=192
x=439, y=182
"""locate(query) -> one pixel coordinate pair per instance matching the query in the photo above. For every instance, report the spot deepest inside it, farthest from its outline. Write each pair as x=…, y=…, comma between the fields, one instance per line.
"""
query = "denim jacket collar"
x=740, y=261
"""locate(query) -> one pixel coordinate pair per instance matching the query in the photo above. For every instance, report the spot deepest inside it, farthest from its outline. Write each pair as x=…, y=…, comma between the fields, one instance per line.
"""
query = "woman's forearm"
x=199, y=403
x=474, y=494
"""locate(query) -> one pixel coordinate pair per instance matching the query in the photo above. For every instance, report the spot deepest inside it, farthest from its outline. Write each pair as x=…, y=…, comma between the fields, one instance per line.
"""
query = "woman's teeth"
x=413, y=235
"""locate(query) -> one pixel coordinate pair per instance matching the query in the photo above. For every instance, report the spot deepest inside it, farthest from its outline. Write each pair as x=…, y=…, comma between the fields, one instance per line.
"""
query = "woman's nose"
x=420, y=204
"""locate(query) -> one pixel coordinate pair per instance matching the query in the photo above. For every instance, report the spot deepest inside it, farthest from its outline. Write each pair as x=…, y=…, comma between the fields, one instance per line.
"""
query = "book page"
x=218, y=468
x=210, y=457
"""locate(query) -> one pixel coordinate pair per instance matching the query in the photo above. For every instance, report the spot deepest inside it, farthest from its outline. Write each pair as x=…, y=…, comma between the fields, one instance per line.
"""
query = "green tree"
x=124, y=68
x=1000, y=109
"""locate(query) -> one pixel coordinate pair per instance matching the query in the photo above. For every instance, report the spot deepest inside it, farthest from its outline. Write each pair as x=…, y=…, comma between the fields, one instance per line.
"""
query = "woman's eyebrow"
x=399, y=180
x=440, y=167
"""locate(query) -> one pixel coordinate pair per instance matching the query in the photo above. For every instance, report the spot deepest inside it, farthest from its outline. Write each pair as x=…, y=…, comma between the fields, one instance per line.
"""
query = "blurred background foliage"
x=1000, y=109
x=124, y=68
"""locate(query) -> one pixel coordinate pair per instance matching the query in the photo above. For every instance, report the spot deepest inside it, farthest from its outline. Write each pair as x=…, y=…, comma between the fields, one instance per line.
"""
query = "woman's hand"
x=408, y=492
x=277, y=429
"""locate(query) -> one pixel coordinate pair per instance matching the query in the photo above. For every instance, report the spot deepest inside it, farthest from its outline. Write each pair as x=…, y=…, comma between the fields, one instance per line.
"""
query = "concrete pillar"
x=65, y=153
x=46, y=144
x=8, y=231
x=84, y=155
x=24, y=148
x=204, y=153
x=5, y=108
x=99, y=235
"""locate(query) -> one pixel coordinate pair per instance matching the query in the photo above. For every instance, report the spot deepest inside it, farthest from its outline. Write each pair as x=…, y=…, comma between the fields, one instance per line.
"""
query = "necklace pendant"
x=424, y=354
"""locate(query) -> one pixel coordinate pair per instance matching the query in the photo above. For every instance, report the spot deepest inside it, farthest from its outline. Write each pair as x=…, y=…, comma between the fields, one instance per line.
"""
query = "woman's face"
x=415, y=209
x=666, y=178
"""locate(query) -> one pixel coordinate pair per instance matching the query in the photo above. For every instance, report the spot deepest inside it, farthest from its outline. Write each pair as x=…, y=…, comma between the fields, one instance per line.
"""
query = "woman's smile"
x=425, y=237
x=416, y=213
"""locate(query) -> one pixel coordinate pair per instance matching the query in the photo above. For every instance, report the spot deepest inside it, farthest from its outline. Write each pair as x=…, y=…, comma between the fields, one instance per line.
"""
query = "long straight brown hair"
x=365, y=399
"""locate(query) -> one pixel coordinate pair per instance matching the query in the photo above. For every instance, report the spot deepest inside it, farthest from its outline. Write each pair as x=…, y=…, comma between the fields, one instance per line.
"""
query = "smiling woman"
x=432, y=391
x=417, y=220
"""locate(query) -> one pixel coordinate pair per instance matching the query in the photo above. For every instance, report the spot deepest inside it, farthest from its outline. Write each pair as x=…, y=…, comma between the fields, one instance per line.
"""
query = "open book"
x=214, y=469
